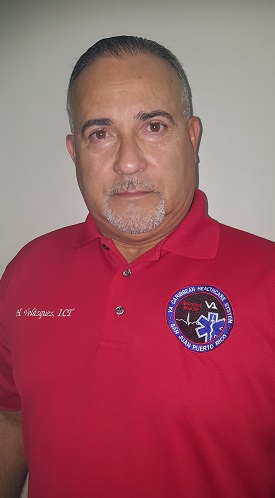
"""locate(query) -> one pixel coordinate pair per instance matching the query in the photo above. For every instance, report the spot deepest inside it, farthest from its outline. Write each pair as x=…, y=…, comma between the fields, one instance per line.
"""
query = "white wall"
x=227, y=48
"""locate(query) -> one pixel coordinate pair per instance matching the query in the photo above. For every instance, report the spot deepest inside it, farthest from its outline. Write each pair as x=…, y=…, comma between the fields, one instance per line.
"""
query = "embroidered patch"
x=200, y=317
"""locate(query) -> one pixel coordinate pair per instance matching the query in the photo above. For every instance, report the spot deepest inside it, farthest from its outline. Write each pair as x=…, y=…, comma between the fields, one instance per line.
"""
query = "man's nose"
x=130, y=158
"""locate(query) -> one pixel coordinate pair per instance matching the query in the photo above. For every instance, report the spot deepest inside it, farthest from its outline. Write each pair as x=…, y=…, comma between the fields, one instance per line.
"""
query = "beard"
x=135, y=220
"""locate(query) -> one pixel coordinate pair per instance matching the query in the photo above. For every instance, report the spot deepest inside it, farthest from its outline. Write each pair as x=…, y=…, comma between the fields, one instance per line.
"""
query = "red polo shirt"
x=154, y=378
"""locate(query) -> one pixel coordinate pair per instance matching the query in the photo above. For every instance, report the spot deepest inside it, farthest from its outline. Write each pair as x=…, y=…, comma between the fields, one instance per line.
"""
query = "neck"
x=131, y=252
x=133, y=246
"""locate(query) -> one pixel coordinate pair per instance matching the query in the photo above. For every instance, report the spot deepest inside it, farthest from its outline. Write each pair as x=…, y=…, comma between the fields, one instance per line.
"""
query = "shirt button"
x=119, y=310
x=105, y=247
x=126, y=273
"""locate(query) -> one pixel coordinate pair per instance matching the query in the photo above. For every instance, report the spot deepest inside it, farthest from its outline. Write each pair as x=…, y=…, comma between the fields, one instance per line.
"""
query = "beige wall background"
x=227, y=49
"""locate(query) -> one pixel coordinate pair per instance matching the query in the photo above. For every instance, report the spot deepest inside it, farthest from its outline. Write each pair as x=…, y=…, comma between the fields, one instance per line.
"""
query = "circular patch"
x=200, y=317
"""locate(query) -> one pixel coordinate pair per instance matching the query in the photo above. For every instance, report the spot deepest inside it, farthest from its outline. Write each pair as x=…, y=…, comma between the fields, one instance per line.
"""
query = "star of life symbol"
x=210, y=326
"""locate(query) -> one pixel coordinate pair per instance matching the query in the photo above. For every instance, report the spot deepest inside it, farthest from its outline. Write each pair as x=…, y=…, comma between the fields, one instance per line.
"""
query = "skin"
x=129, y=124
x=13, y=469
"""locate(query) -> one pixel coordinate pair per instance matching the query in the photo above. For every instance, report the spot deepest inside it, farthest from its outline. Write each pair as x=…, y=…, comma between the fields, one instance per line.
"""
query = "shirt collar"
x=89, y=233
x=197, y=236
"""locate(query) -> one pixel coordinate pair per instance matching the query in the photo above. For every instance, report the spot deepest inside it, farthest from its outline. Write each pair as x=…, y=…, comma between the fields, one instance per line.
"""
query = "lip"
x=133, y=195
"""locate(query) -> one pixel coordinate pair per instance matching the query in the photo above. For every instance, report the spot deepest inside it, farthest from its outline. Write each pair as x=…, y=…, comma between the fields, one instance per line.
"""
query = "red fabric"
x=114, y=405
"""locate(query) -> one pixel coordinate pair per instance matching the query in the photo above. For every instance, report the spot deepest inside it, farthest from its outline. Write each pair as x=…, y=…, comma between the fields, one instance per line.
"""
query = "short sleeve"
x=9, y=397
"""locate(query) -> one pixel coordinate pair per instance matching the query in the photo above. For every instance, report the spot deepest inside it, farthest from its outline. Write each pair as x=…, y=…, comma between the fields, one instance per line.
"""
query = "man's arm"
x=13, y=468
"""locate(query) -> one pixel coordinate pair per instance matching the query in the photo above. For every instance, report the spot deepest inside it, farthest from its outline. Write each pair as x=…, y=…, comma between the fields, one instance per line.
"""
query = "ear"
x=71, y=146
x=195, y=129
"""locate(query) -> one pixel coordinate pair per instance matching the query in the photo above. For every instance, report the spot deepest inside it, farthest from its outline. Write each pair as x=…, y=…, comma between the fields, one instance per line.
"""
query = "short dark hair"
x=121, y=46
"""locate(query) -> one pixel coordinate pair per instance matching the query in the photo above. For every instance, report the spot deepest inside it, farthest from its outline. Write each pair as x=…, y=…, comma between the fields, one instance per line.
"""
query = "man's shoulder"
x=246, y=237
x=246, y=245
x=41, y=249
x=60, y=237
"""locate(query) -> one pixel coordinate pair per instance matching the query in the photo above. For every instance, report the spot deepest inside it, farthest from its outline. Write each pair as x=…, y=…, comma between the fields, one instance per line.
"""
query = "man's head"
x=134, y=139
x=121, y=46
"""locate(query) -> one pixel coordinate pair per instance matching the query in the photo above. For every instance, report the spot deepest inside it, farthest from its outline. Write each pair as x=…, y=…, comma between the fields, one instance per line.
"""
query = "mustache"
x=133, y=186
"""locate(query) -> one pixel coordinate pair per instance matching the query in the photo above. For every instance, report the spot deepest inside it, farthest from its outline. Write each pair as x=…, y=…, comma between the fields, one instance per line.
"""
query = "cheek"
x=94, y=181
x=86, y=167
x=92, y=164
x=167, y=164
x=177, y=176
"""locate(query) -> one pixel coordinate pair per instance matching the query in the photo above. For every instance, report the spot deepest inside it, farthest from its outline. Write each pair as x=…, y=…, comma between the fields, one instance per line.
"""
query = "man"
x=139, y=346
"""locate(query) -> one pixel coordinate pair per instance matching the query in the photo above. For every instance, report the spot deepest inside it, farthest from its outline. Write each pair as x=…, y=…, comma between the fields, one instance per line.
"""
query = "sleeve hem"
x=10, y=408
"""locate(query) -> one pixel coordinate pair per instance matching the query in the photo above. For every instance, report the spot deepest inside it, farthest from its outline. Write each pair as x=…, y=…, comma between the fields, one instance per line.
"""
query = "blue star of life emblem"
x=209, y=327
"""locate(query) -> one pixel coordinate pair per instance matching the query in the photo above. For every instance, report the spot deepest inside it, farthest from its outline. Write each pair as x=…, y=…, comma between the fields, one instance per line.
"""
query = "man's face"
x=133, y=147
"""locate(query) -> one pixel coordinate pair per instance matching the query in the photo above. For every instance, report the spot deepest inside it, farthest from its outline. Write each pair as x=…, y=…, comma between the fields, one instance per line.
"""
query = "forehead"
x=140, y=76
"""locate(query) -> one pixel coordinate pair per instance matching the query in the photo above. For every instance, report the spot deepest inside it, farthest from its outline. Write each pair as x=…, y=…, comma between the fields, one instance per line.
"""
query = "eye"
x=98, y=135
x=155, y=127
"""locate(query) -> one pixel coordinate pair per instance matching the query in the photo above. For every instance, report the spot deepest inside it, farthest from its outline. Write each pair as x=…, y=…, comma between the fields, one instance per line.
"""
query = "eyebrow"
x=143, y=116
x=96, y=122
